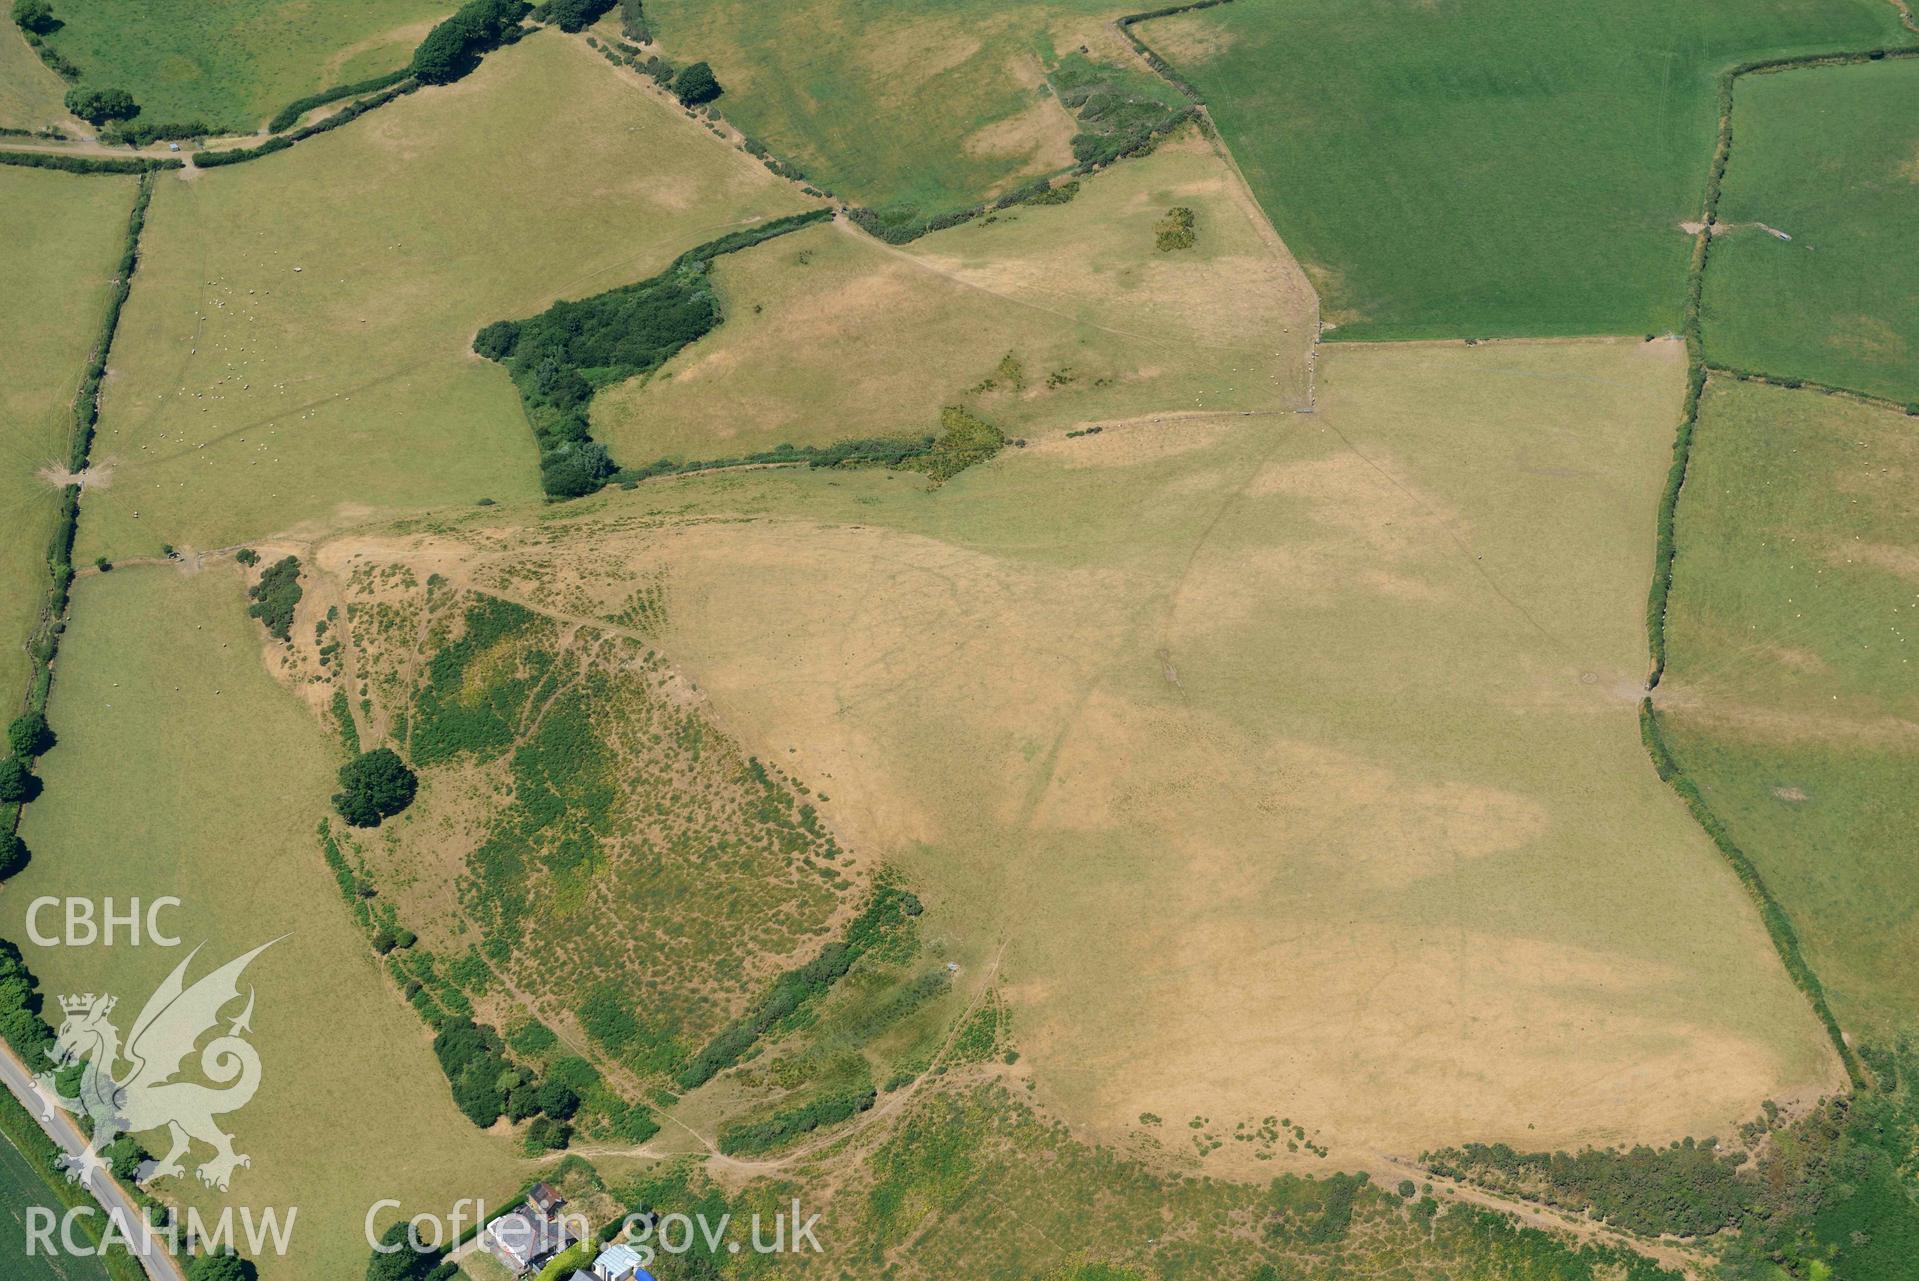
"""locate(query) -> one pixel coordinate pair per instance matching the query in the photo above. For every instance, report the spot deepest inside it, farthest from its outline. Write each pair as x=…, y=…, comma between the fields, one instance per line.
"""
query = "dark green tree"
x=376, y=785
x=34, y=15
x=17, y=782
x=696, y=84
x=97, y=106
x=14, y=857
x=225, y=1266
x=576, y=15
x=29, y=735
x=275, y=596
x=403, y=1264
x=558, y=1101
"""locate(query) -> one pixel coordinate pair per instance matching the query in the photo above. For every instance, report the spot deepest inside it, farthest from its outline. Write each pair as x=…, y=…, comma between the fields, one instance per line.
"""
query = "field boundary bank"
x=1698, y=367
x=1778, y=923
x=158, y=1261
x=1779, y=927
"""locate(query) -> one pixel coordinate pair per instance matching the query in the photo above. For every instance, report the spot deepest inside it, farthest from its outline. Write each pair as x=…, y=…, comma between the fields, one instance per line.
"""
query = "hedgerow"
x=290, y=114
x=238, y=155
x=1785, y=939
x=1687, y=1189
x=87, y=164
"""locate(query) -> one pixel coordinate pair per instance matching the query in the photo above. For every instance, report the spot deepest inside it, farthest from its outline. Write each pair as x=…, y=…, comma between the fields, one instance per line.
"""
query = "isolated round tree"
x=377, y=785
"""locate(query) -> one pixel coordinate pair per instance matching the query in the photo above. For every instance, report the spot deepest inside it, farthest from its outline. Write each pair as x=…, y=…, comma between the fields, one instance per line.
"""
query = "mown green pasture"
x=920, y=104
x=1492, y=166
x=184, y=769
x=60, y=240
x=1039, y=319
x=1830, y=156
x=1790, y=696
x=298, y=351
x=232, y=63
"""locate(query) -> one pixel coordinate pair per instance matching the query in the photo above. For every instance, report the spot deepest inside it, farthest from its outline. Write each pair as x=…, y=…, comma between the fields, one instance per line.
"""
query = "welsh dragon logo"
x=145, y=1095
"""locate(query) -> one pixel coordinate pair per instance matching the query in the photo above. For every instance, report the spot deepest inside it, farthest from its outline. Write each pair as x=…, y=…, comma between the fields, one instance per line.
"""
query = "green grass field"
x=1043, y=319
x=1830, y=157
x=1790, y=690
x=298, y=352
x=23, y=1185
x=233, y=63
x=1493, y=166
x=30, y=94
x=929, y=105
x=1330, y=716
x=60, y=239
x=184, y=769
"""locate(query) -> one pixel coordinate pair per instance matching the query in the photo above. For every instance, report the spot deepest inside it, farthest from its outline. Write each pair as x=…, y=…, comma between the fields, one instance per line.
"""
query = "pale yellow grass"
x=830, y=334
x=1298, y=770
x=1293, y=761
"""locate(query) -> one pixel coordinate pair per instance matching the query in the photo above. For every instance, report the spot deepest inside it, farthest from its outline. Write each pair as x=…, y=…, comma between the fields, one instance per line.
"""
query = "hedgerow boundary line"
x=1778, y=923
x=44, y=644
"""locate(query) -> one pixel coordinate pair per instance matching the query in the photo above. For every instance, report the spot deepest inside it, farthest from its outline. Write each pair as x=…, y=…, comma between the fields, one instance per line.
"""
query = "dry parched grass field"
x=1040, y=318
x=1293, y=762
x=298, y=350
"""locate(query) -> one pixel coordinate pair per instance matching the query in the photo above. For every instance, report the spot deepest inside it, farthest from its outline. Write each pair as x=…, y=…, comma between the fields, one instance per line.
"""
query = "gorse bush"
x=1175, y=230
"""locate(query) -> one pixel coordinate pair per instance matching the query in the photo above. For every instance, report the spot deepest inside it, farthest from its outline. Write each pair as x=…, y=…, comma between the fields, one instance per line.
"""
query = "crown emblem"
x=85, y=1003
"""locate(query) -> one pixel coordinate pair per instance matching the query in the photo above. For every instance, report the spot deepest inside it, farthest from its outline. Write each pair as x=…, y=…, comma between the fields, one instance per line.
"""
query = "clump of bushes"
x=963, y=441
x=275, y=595
x=455, y=46
x=1120, y=113
x=375, y=786
x=1687, y=1189
x=1175, y=230
x=828, y=1109
x=35, y=17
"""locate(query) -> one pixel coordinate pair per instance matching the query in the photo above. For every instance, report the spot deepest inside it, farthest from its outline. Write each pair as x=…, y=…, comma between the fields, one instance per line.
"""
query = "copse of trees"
x=98, y=106
x=573, y=15
x=224, y=1266
x=455, y=46
x=375, y=786
x=275, y=595
x=696, y=84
